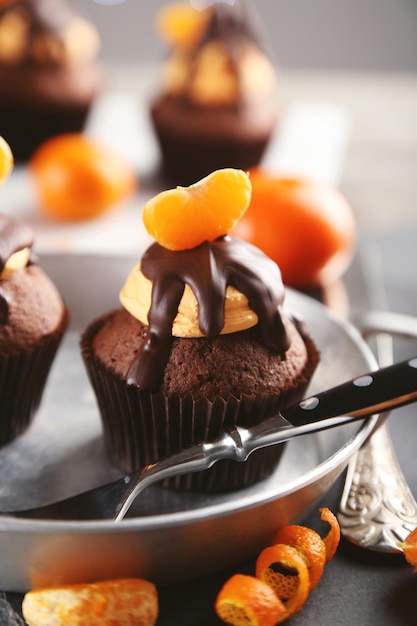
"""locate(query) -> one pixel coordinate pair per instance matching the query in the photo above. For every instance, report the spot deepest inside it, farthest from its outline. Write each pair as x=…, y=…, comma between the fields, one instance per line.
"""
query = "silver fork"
x=377, y=508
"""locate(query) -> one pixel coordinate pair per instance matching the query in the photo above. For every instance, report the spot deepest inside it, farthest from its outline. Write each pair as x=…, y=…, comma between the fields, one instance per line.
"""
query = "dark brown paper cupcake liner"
x=140, y=427
x=196, y=141
x=22, y=381
x=25, y=136
x=187, y=160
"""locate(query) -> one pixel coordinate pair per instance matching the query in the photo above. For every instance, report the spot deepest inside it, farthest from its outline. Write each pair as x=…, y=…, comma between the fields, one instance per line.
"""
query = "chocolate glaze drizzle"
x=14, y=236
x=230, y=24
x=208, y=269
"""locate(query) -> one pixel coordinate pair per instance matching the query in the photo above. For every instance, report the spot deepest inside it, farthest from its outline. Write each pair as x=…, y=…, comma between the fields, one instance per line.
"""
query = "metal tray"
x=172, y=535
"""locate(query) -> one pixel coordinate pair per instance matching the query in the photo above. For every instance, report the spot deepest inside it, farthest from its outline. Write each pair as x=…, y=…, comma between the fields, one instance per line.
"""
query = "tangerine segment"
x=184, y=217
x=180, y=24
x=124, y=602
x=409, y=547
x=79, y=178
x=332, y=539
x=248, y=601
x=285, y=570
x=310, y=544
x=6, y=159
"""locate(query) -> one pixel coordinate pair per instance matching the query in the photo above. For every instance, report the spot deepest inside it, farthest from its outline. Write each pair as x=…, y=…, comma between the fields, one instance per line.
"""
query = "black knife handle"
x=368, y=394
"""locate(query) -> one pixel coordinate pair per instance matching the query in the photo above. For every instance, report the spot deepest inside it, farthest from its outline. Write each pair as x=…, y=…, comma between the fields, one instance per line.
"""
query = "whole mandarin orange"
x=306, y=226
x=79, y=178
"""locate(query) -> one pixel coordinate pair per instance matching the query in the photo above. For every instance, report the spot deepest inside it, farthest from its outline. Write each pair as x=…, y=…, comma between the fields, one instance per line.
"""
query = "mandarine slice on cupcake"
x=33, y=319
x=201, y=342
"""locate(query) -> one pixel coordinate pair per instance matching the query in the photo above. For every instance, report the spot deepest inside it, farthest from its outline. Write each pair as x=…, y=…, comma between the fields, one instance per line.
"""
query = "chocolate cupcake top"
x=221, y=62
x=221, y=273
x=44, y=33
x=31, y=307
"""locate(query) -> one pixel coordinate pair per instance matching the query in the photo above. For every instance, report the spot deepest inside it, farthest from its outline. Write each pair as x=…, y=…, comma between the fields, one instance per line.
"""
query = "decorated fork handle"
x=377, y=508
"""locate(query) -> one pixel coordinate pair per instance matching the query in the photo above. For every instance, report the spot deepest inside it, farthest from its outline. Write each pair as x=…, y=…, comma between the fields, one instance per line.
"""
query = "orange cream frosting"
x=136, y=296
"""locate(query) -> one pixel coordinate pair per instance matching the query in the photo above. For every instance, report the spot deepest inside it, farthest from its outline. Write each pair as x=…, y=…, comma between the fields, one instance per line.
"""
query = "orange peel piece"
x=125, y=602
x=248, y=601
x=332, y=539
x=184, y=217
x=409, y=547
x=310, y=544
x=291, y=581
x=6, y=159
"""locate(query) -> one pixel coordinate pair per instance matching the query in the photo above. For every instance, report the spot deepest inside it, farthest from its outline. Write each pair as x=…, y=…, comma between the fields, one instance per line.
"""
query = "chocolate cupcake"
x=49, y=76
x=200, y=345
x=217, y=107
x=33, y=319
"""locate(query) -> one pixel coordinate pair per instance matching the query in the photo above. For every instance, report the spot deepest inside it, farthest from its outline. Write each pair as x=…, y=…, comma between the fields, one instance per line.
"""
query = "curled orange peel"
x=291, y=582
x=332, y=539
x=248, y=601
x=409, y=547
x=293, y=566
x=311, y=546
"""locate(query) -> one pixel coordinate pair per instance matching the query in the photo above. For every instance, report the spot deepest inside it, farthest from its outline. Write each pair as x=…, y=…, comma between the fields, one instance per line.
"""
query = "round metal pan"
x=172, y=535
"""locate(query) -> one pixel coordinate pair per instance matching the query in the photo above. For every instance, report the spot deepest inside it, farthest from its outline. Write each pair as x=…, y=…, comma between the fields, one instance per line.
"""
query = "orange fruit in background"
x=79, y=178
x=6, y=159
x=247, y=601
x=184, y=217
x=306, y=226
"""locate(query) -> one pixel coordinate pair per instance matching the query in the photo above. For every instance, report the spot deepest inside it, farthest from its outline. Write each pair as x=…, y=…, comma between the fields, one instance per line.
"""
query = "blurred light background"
x=368, y=35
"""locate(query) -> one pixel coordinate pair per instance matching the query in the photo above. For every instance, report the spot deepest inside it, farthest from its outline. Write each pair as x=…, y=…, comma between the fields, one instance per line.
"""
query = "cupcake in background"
x=49, y=75
x=201, y=343
x=217, y=106
x=33, y=319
